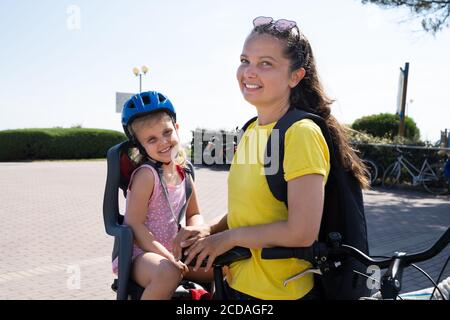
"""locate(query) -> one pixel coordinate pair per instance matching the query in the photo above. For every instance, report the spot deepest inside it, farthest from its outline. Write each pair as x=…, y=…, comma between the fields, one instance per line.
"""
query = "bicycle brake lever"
x=301, y=274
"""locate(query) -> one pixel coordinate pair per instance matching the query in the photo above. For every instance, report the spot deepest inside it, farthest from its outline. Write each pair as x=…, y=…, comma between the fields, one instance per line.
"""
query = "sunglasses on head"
x=279, y=25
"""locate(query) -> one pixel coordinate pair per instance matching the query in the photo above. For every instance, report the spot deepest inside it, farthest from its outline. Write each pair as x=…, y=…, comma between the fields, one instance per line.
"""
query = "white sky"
x=54, y=75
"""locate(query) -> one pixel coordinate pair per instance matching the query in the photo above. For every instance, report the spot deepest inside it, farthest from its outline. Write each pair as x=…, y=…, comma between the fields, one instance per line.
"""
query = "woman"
x=277, y=72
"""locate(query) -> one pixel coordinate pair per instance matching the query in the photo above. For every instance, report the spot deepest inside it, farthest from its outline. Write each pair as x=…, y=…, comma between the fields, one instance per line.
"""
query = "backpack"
x=343, y=210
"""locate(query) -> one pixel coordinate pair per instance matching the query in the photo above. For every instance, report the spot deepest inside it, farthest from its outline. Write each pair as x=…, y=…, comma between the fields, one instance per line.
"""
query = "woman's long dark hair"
x=310, y=96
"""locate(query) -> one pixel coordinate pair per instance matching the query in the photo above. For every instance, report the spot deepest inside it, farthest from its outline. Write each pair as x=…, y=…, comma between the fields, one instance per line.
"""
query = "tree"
x=434, y=14
x=385, y=125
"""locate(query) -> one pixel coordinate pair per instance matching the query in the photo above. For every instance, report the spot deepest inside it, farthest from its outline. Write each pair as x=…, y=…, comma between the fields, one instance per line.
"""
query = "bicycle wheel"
x=372, y=170
x=435, y=182
x=392, y=175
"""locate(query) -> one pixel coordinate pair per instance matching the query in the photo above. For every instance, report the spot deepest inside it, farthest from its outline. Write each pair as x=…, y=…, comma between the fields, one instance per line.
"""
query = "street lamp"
x=140, y=72
x=404, y=76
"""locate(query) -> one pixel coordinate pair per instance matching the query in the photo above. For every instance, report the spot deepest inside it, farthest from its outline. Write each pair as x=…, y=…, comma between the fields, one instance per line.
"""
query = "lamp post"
x=140, y=72
x=405, y=72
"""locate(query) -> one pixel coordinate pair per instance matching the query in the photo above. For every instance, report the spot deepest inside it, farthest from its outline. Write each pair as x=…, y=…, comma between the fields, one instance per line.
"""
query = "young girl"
x=156, y=195
x=277, y=72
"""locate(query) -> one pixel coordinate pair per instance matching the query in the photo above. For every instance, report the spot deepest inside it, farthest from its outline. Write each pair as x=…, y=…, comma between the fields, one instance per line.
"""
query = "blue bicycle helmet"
x=142, y=104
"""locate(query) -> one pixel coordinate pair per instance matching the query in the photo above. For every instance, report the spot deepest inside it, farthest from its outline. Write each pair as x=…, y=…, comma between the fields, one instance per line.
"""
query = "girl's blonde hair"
x=148, y=120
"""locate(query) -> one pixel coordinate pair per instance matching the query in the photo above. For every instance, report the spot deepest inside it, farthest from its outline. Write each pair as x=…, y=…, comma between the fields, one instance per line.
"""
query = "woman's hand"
x=187, y=236
x=211, y=247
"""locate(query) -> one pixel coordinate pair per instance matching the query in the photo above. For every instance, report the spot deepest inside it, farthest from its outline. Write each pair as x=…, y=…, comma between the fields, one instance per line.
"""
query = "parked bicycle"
x=218, y=151
x=372, y=169
x=430, y=175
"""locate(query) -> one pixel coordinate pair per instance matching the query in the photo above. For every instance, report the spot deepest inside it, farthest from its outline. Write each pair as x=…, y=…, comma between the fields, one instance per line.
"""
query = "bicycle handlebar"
x=437, y=247
x=319, y=249
x=285, y=253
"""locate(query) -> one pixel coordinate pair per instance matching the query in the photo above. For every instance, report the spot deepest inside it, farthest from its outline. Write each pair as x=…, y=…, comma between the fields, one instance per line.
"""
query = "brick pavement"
x=408, y=221
x=52, y=227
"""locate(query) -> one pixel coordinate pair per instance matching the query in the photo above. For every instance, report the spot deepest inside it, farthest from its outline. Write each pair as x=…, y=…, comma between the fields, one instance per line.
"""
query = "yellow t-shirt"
x=250, y=202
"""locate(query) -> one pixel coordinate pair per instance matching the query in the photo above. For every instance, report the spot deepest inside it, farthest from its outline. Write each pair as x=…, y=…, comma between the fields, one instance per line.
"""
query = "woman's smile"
x=251, y=87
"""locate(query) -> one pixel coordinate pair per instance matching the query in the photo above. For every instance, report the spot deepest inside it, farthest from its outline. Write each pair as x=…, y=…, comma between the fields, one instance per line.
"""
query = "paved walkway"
x=54, y=245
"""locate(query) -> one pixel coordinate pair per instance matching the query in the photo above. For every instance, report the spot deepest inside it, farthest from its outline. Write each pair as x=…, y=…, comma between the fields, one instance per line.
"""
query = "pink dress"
x=159, y=220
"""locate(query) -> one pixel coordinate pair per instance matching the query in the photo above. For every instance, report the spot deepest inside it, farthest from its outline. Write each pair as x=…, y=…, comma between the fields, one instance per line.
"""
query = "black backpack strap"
x=244, y=128
x=249, y=122
x=276, y=182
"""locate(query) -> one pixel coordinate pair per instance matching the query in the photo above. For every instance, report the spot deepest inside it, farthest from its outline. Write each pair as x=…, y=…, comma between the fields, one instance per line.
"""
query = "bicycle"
x=327, y=258
x=372, y=170
x=431, y=176
x=218, y=151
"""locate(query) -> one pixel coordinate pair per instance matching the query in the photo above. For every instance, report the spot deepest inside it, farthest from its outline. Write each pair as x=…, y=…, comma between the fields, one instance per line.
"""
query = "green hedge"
x=57, y=143
x=386, y=125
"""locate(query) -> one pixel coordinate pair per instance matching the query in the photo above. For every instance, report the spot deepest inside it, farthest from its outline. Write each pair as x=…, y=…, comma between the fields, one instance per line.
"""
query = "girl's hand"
x=181, y=266
x=186, y=237
x=211, y=247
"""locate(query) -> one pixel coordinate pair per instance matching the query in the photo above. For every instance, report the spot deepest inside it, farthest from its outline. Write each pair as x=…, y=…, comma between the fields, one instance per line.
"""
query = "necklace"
x=171, y=177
